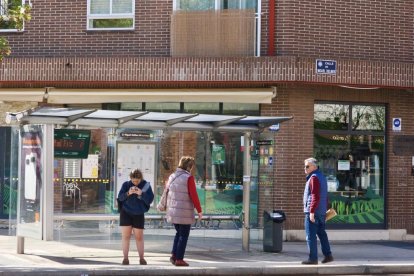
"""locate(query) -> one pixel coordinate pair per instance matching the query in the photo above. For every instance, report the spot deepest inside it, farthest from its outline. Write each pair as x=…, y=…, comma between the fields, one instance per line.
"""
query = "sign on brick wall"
x=325, y=66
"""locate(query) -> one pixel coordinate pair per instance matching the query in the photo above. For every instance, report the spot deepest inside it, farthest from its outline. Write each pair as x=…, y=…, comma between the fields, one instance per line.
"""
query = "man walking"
x=315, y=204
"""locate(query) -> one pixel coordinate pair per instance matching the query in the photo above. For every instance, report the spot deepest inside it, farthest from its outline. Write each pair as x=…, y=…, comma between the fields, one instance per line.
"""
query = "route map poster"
x=133, y=155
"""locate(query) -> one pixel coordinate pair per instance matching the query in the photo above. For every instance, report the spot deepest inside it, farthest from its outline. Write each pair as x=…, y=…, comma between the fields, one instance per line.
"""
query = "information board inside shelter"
x=72, y=143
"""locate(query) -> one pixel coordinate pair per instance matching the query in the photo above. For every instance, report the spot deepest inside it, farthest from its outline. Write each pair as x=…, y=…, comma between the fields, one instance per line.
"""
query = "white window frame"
x=12, y=30
x=110, y=16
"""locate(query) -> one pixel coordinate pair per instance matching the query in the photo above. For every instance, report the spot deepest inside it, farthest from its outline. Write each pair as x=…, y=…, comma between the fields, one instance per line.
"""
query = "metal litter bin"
x=273, y=230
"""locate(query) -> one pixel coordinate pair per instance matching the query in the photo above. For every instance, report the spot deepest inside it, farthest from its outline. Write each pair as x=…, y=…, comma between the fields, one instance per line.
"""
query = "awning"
x=18, y=95
x=65, y=117
x=230, y=95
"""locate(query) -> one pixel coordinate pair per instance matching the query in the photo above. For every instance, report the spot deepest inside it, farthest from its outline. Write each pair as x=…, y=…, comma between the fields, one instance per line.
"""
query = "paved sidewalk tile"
x=99, y=255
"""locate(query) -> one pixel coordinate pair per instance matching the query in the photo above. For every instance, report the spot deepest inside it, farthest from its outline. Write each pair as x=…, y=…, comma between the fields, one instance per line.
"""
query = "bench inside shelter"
x=152, y=220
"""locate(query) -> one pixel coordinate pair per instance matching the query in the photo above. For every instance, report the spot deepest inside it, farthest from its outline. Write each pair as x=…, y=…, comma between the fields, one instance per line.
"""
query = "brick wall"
x=165, y=72
x=294, y=143
x=58, y=28
x=373, y=29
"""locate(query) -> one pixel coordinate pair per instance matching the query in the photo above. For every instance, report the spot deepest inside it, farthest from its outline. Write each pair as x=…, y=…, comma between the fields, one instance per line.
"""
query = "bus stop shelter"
x=48, y=119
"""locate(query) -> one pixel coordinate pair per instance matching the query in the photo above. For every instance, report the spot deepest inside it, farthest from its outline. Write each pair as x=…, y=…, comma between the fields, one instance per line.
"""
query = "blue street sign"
x=325, y=66
x=396, y=124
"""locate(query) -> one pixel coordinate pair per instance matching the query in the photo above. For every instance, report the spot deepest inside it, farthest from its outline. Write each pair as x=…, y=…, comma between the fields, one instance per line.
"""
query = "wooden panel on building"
x=213, y=33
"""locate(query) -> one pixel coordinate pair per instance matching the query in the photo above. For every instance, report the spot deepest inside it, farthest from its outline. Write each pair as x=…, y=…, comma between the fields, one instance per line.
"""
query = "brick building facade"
x=371, y=41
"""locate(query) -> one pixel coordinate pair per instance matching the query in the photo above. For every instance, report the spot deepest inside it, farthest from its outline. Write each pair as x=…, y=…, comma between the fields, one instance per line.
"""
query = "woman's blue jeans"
x=312, y=230
x=180, y=240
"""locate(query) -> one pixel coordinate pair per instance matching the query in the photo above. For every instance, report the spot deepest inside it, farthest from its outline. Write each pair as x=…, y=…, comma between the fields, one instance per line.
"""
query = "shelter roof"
x=66, y=117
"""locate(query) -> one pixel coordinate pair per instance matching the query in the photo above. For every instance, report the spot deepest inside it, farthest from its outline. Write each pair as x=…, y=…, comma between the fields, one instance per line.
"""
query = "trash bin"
x=273, y=230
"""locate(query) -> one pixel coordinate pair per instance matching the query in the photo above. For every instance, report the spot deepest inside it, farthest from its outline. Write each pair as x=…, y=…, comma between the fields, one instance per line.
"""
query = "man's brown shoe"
x=181, y=263
x=310, y=262
x=327, y=259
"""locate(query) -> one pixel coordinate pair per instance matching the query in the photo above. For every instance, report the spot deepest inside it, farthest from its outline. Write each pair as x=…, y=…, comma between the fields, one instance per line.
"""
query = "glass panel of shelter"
x=218, y=172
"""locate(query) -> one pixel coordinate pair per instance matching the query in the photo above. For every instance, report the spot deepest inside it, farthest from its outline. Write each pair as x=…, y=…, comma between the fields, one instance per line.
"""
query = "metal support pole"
x=246, y=192
x=47, y=196
x=20, y=245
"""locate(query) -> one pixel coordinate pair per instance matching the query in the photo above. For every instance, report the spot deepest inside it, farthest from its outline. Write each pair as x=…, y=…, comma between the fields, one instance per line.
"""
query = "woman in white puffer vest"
x=181, y=201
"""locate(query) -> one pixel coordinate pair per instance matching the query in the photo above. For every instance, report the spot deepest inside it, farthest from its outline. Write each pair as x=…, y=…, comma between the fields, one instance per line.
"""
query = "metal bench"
x=214, y=220
x=158, y=220
x=112, y=218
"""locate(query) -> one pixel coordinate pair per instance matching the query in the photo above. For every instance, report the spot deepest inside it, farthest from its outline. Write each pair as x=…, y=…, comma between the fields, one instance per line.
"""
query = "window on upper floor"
x=111, y=15
x=5, y=6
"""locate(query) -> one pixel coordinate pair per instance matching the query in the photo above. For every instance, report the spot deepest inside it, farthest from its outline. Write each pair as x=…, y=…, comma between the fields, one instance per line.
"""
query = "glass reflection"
x=367, y=117
x=331, y=116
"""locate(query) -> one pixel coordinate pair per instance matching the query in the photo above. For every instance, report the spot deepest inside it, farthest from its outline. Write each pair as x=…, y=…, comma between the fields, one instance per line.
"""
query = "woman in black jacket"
x=135, y=197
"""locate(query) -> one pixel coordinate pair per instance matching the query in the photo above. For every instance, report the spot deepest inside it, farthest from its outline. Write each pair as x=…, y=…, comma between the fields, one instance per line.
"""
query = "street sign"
x=325, y=66
x=396, y=124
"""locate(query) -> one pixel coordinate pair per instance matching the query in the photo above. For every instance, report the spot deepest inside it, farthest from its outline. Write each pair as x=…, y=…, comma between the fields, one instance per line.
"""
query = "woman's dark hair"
x=186, y=163
x=135, y=174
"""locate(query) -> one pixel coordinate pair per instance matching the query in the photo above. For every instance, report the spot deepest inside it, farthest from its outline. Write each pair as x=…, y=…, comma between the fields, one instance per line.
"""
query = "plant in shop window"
x=13, y=14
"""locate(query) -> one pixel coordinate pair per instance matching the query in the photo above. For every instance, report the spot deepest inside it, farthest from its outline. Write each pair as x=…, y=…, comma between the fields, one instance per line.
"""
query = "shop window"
x=204, y=108
x=241, y=109
x=353, y=162
x=131, y=106
x=163, y=107
x=111, y=14
x=366, y=117
x=331, y=116
x=5, y=5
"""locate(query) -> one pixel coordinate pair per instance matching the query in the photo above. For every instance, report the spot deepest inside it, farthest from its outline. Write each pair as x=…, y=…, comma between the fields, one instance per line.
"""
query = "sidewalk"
x=206, y=256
